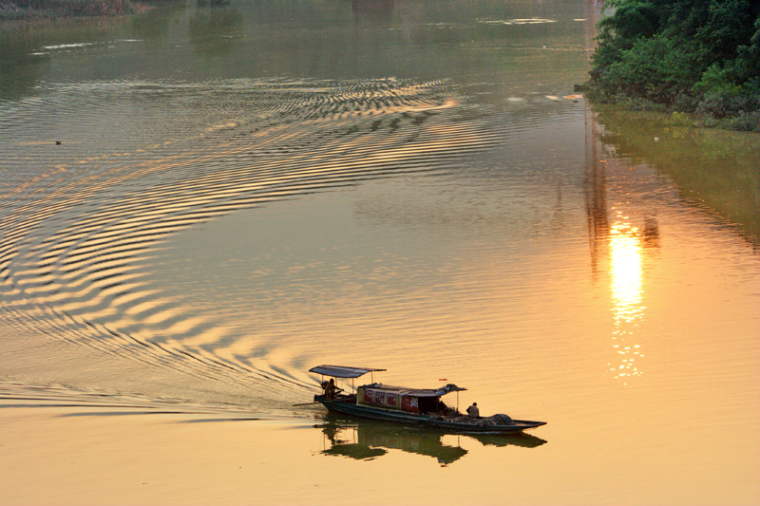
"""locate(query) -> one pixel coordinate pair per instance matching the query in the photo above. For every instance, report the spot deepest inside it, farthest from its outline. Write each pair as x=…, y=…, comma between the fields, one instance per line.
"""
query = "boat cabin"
x=413, y=400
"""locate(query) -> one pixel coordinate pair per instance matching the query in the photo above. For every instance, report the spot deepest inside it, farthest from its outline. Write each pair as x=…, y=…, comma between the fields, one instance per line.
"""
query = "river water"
x=199, y=204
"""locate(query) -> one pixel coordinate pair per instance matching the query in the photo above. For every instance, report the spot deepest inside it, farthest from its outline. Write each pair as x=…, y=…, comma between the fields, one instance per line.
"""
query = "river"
x=200, y=203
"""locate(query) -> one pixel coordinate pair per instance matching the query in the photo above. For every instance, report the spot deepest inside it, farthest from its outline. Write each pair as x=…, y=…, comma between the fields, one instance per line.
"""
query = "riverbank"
x=54, y=9
x=696, y=57
x=744, y=121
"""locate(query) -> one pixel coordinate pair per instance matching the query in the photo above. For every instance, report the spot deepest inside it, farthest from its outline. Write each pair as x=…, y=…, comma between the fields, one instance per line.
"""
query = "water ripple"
x=78, y=237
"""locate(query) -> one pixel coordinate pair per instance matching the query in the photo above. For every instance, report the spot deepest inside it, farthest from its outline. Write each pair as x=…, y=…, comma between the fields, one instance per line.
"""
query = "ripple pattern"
x=81, y=220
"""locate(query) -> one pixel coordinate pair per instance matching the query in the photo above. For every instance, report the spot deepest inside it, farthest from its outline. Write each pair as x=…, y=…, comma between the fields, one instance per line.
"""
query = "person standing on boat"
x=473, y=410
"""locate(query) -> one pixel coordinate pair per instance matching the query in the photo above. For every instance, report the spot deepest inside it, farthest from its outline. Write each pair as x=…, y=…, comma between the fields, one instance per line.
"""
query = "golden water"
x=240, y=193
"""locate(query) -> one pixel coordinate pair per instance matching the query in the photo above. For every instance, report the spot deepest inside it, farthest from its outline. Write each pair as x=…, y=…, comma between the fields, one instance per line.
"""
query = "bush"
x=746, y=122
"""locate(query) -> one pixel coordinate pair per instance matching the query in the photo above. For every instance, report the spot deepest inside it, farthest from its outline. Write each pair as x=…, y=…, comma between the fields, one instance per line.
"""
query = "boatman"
x=331, y=390
x=473, y=410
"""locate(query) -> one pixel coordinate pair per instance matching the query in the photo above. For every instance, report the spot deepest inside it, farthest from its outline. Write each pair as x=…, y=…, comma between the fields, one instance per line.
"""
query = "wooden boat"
x=409, y=406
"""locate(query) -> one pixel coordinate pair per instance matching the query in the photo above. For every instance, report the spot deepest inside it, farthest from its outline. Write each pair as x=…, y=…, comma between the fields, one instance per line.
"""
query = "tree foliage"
x=687, y=55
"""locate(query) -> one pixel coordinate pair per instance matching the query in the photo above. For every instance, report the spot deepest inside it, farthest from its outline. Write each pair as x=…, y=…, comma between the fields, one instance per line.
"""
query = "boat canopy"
x=340, y=371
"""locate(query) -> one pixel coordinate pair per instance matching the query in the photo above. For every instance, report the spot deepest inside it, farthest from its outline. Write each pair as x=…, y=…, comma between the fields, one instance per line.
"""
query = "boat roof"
x=341, y=371
x=417, y=392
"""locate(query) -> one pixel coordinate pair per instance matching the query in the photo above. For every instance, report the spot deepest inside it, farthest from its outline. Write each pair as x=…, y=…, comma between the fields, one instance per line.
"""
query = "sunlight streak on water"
x=625, y=253
x=627, y=292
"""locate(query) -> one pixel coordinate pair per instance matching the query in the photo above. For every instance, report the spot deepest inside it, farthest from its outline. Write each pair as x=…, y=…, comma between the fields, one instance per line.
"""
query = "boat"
x=408, y=406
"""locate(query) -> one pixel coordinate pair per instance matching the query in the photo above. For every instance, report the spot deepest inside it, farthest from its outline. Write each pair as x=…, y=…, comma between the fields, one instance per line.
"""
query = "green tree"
x=686, y=55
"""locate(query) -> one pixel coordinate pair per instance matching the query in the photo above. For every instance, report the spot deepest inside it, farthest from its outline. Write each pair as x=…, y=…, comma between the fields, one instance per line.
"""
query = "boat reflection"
x=368, y=439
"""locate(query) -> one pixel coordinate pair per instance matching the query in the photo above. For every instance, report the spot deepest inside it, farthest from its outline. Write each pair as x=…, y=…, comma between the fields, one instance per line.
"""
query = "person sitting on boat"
x=473, y=410
x=331, y=391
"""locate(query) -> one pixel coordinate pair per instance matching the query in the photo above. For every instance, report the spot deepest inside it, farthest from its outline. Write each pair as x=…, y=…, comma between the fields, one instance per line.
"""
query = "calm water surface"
x=197, y=205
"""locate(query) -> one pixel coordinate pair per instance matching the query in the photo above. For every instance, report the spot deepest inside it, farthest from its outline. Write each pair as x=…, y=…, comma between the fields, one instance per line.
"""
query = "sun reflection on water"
x=626, y=283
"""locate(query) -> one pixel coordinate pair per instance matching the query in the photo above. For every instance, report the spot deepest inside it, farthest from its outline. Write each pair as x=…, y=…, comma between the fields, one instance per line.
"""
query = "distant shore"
x=53, y=9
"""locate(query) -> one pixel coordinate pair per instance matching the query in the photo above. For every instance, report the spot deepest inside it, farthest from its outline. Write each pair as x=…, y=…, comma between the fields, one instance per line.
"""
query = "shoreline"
x=71, y=9
x=748, y=121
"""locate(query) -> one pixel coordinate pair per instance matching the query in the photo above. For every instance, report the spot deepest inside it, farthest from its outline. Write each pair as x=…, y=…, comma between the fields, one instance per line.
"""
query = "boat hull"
x=349, y=407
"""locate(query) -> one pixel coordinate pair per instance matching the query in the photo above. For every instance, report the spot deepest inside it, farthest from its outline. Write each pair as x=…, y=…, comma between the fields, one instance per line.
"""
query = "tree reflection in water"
x=215, y=30
x=367, y=439
x=377, y=9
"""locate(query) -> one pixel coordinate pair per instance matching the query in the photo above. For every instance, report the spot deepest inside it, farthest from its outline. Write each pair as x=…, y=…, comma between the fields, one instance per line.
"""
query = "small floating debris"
x=572, y=97
x=527, y=21
x=552, y=97
x=515, y=99
x=68, y=46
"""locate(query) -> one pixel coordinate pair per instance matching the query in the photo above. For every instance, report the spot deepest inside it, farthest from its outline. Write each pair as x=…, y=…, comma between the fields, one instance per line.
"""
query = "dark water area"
x=199, y=204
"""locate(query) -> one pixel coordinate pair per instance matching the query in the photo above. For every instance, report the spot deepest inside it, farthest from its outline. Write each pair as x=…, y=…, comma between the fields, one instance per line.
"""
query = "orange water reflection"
x=627, y=289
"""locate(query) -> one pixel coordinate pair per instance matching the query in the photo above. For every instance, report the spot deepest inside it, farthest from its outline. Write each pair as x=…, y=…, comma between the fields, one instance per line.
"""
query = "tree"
x=687, y=55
